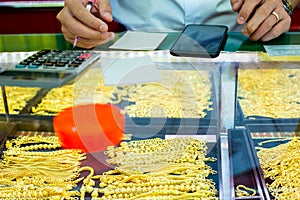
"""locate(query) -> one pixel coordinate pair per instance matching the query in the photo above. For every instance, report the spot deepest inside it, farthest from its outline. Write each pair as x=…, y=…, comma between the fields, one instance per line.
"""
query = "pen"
x=88, y=7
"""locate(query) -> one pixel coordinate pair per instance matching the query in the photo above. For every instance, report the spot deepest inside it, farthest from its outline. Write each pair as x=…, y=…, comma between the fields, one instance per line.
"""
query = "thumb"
x=105, y=10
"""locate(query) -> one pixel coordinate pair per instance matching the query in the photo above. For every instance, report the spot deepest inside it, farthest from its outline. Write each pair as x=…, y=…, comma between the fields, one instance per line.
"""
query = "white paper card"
x=282, y=50
x=128, y=71
x=132, y=40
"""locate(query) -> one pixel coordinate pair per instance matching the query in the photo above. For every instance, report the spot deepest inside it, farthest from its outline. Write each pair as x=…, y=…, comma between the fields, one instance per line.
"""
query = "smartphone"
x=200, y=41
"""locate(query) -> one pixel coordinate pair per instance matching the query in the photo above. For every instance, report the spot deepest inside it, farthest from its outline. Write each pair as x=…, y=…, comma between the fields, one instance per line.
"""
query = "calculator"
x=48, y=68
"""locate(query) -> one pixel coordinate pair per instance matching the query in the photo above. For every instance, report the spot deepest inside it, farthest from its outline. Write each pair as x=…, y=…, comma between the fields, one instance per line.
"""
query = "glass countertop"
x=33, y=42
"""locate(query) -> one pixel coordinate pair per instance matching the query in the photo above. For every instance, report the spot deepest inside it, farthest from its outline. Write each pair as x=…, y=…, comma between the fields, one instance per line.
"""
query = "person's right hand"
x=264, y=19
x=90, y=27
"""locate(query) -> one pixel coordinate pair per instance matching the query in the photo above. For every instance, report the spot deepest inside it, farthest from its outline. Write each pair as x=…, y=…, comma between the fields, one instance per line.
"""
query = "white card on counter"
x=128, y=71
x=132, y=40
x=282, y=50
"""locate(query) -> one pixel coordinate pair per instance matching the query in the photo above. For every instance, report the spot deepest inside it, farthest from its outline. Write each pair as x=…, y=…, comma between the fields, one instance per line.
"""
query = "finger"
x=264, y=28
x=277, y=30
x=272, y=27
x=77, y=10
x=247, y=9
x=76, y=27
x=88, y=43
x=62, y=17
x=69, y=37
x=236, y=5
x=105, y=10
x=261, y=14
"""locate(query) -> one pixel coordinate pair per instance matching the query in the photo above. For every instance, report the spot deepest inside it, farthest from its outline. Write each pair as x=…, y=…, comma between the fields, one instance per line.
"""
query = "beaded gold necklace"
x=157, y=169
x=281, y=165
x=35, y=168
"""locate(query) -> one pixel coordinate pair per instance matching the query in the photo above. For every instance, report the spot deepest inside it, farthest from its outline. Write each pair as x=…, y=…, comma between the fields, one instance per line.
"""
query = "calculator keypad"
x=58, y=60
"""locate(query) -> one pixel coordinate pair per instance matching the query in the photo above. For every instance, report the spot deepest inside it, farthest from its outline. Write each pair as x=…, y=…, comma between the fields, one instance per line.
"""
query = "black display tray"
x=265, y=132
x=26, y=110
x=97, y=159
x=139, y=127
x=242, y=120
x=211, y=118
x=30, y=103
x=5, y=129
x=256, y=142
x=244, y=165
x=274, y=127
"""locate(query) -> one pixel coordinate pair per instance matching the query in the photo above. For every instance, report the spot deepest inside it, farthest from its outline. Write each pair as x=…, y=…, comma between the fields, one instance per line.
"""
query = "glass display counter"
x=269, y=103
x=184, y=103
x=237, y=105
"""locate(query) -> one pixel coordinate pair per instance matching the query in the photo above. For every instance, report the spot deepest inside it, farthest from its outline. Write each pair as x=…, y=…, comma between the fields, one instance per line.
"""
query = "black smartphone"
x=200, y=41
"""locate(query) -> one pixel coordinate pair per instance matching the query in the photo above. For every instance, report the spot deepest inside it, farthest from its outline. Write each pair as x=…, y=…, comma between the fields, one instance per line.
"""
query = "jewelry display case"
x=221, y=101
x=184, y=103
x=268, y=105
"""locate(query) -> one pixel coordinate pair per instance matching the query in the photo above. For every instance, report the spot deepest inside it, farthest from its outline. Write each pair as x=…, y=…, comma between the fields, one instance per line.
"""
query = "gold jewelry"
x=17, y=98
x=178, y=95
x=170, y=169
x=276, y=16
x=243, y=191
x=182, y=93
x=25, y=173
x=258, y=99
x=281, y=168
x=151, y=151
x=28, y=173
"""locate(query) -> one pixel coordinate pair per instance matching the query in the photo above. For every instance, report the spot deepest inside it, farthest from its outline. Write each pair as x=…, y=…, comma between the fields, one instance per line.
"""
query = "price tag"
x=282, y=50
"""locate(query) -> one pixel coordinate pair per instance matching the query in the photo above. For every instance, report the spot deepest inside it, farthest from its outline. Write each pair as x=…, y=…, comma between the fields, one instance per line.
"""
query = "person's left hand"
x=264, y=19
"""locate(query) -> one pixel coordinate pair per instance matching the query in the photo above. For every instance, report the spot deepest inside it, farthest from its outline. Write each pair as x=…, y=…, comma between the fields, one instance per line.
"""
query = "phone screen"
x=200, y=41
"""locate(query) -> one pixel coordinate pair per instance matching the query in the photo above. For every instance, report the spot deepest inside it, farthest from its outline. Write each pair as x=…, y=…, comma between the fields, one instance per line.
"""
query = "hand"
x=90, y=27
x=260, y=18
